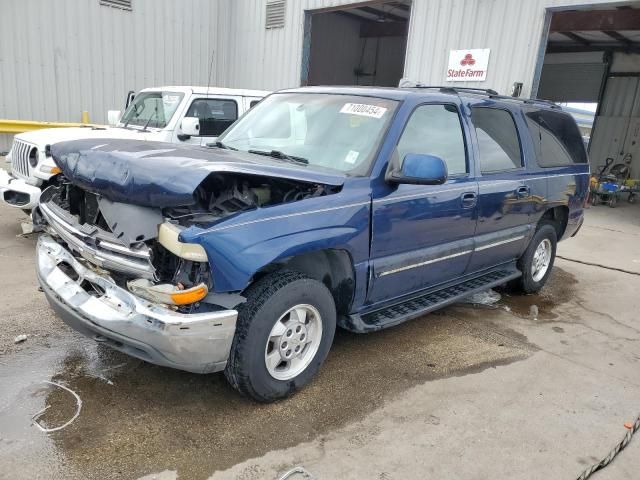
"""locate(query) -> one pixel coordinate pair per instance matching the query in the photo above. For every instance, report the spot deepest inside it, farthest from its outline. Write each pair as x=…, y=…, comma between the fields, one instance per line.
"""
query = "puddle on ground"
x=137, y=418
x=560, y=289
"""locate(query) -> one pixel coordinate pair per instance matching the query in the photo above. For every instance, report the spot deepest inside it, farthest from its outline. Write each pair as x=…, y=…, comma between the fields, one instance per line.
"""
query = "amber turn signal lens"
x=189, y=296
x=55, y=170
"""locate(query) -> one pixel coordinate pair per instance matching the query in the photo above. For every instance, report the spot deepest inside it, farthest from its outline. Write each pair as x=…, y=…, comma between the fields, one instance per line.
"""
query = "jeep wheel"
x=283, y=334
x=537, y=261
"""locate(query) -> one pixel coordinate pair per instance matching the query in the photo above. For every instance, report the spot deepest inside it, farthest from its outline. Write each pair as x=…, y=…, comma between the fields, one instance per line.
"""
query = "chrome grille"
x=20, y=158
x=97, y=246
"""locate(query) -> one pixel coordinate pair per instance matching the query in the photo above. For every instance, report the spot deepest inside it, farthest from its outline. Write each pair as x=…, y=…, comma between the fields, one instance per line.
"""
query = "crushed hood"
x=163, y=174
x=49, y=136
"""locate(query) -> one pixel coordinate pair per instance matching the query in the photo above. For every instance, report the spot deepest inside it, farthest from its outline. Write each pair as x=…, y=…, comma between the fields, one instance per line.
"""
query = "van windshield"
x=336, y=132
x=153, y=109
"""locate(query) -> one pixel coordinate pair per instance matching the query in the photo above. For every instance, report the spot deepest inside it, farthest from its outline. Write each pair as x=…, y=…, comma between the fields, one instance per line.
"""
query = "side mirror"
x=419, y=169
x=113, y=117
x=190, y=126
x=130, y=96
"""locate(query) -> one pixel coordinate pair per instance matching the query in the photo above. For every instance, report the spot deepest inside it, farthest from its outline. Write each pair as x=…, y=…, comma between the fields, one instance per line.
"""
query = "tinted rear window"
x=498, y=139
x=556, y=138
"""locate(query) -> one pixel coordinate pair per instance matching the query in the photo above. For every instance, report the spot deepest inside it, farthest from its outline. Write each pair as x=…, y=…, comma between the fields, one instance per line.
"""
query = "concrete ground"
x=534, y=387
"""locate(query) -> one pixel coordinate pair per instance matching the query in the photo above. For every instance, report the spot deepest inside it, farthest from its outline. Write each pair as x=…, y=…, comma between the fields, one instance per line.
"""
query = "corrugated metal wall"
x=512, y=29
x=617, y=120
x=268, y=59
x=58, y=58
x=271, y=59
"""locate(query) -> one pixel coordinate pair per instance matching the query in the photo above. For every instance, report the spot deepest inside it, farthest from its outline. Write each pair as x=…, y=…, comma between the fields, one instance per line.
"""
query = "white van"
x=189, y=115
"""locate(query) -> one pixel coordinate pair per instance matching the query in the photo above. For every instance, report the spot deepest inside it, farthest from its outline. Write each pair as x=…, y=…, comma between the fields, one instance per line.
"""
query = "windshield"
x=153, y=109
x=336, y=132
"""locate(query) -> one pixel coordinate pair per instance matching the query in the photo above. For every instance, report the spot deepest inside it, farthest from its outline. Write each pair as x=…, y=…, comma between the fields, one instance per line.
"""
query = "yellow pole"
x=85, y=117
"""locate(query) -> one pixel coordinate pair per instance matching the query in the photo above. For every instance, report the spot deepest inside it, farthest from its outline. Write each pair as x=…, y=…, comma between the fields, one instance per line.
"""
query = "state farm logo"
x=468, y=65
x=467, y=60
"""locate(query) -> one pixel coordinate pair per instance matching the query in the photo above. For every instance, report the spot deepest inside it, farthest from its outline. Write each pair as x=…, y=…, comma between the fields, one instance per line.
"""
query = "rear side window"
x=556, y=138
x=215, y=115
x=498, y=139
x=435, y=130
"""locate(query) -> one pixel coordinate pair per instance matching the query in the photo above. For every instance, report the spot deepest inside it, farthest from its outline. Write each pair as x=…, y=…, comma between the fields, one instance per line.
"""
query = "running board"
x=432, y=300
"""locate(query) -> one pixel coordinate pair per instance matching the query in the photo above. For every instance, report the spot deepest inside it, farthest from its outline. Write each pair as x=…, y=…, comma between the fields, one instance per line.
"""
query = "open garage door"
x=593, y=59
x=573, y=77
x=362, y=44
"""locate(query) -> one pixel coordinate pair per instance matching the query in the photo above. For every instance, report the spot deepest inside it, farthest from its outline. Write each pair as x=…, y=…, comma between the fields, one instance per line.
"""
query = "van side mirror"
x=418, y=169
x=190, y=127
x=113, y=117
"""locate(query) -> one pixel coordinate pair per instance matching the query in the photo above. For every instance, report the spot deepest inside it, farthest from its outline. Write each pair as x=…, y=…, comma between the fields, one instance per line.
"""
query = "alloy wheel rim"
x=293, y=342
x=541, y=260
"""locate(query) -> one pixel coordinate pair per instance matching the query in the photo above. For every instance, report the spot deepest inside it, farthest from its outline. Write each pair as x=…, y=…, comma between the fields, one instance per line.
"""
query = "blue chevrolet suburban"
x=320, y=207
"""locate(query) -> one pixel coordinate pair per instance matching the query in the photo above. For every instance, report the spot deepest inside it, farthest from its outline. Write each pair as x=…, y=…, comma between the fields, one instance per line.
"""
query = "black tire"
x=632, y=198
x=267, y=300
x=613, y=201
x=526, y=283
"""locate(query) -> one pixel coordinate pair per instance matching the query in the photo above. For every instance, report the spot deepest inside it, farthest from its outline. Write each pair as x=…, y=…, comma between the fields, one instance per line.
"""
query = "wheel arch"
x=331, y=266
x=559, y=217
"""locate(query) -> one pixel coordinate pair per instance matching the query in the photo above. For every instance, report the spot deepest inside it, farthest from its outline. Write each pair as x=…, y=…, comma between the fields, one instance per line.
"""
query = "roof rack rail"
x=405, y=83
x=487, y=91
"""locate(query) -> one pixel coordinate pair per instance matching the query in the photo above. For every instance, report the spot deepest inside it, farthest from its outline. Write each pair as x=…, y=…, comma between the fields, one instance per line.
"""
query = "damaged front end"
x=120, y=273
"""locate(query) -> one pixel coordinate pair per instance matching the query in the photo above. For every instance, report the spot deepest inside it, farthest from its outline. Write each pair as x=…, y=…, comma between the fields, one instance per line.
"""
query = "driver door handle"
x=469, y=199
x=523, y=192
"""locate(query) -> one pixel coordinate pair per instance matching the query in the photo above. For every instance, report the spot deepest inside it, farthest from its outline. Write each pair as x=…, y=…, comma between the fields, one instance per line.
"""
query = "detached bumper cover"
x=197, y=343
x=16, y=192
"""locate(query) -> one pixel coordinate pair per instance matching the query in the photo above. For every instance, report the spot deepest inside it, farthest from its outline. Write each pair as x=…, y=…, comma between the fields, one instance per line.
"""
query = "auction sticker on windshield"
x=363, y=109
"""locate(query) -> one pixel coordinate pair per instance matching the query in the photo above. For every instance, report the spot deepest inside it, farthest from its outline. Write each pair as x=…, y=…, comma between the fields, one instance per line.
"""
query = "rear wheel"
x=283, y=334
x=537, y=261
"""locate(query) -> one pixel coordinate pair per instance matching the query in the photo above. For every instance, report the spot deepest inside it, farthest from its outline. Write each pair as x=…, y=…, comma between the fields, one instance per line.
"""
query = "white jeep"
x=191, y=115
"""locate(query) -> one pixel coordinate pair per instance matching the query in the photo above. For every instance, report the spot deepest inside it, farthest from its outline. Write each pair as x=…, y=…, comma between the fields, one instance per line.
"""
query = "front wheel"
x=283, y=334
x=537, y=261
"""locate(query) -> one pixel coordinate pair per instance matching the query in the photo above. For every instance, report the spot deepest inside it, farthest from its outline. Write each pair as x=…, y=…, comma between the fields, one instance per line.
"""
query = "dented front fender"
x=243, y=245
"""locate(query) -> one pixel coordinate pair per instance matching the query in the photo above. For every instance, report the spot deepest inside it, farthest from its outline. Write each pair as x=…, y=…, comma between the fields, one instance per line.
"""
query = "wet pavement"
x=137, y=419
x=153, y=418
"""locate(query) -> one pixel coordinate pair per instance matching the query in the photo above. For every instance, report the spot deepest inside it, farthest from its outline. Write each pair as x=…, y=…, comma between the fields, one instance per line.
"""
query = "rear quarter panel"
x=554, y=186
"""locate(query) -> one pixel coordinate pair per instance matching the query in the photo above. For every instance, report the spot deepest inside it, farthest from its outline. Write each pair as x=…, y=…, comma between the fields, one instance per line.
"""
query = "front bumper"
x=18, y=193
x=197, y=343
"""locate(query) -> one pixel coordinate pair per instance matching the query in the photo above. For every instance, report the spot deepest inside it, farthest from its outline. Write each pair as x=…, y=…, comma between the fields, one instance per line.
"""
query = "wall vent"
x=275, y=14
x=121, y=4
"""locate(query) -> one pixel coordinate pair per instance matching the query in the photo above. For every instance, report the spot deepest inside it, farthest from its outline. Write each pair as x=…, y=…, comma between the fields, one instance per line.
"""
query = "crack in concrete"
x=610, y=317
x=612, y=230
x=599, y=265
x=589, y=367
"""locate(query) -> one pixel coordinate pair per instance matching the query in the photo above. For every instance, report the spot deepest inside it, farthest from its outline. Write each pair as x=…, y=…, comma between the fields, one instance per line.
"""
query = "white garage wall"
x=271, y=59
x=58, y=58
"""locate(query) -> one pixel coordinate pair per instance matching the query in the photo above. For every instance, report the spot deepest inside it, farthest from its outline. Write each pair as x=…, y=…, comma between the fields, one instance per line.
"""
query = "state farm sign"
x=468, y=65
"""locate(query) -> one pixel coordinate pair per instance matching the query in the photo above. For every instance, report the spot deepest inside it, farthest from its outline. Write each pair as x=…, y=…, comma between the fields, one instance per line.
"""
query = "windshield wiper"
x=281, y=155
x=129, y=119
x=155, y=113
x=219, y=144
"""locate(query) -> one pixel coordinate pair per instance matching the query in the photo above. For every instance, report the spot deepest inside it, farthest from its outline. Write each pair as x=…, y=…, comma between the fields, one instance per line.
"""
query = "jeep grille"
x=20, y=158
